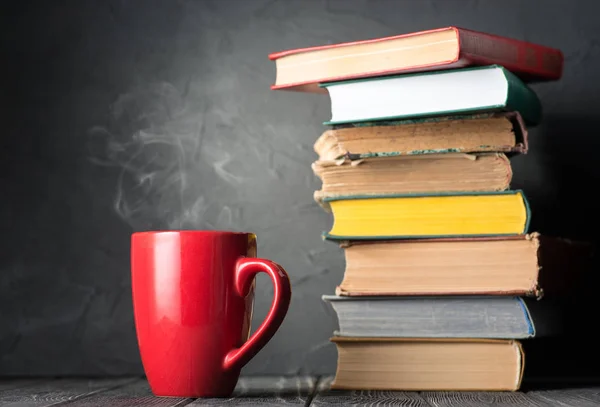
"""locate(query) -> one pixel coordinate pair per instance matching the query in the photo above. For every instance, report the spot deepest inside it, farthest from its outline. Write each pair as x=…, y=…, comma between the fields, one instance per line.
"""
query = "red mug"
x=193, y=296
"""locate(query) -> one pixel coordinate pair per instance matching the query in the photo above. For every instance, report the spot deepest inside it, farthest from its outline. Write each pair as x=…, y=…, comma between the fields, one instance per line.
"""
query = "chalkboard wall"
x=120, y=116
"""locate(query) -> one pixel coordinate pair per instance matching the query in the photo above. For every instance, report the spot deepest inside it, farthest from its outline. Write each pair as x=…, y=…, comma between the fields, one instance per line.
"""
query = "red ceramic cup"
x=193, y=294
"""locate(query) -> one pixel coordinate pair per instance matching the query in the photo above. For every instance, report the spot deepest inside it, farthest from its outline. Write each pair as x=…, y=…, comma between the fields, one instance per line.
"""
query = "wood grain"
x=468, y=399
x=266, y=391
x=137, y=393
x=582, y=397
x=50, y=393
x=274, y=391
x=327, y=397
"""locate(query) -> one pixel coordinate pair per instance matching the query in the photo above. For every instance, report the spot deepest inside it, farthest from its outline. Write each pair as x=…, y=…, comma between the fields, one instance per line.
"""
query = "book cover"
x=413, y=173
x=450, y=316
x=436, y=49
x=422, y=215
x=472, y=90
x=427, y=135
x=530, y=265
x=465, y=364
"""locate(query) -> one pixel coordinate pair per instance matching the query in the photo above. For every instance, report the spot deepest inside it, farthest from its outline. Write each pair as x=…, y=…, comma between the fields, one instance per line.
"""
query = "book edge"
x=425, y=194
x=294, y=51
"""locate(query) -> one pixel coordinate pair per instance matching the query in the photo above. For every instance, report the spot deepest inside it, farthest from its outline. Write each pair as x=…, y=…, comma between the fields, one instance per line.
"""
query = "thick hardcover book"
x=490, y=317
x=428, y=215
x=403, y=364
x=405, y=174
x=438, y=49
x=484, y=132
x=461, y=91
x=524, y=265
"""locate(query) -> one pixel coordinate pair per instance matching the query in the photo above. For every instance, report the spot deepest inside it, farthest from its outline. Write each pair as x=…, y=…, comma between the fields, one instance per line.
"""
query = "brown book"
x=500, y=132
x=428, y=364
x=528, y=265
x=407, y=174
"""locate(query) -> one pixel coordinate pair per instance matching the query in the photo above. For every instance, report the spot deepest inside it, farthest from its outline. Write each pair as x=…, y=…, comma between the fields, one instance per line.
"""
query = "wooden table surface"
x=278, y=391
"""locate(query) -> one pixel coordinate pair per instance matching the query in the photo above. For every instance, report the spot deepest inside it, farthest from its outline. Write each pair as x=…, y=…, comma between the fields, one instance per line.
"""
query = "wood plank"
x=265, y=391
x=273, y=391
x=581, y=397
x=137, y=393
x=327, y=397
x=477, y=398
x=53, y=392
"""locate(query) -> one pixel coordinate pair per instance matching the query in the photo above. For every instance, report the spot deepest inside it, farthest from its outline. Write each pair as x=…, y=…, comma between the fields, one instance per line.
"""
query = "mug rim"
x=190, y=231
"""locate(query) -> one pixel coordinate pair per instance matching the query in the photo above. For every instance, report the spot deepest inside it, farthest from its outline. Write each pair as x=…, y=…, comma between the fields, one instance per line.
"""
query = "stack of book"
x=443, y=279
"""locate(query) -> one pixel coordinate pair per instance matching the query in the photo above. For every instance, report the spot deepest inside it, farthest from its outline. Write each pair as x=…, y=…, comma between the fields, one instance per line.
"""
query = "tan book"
x=501, y=132
x=428, y=364
x=527, y=264
x=428, y=173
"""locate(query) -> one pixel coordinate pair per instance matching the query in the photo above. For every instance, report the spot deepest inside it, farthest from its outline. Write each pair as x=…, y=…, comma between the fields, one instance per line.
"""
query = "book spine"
x=523, y=99
x=527, y=211
x=521, y=134
x=530, y=61
x=528, y=319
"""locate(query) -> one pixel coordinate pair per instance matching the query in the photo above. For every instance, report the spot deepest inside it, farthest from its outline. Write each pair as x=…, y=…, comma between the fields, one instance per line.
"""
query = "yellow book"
x=412, y=216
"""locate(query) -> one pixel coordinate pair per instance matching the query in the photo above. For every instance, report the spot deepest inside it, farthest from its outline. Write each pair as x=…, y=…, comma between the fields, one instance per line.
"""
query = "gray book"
x=500, y=317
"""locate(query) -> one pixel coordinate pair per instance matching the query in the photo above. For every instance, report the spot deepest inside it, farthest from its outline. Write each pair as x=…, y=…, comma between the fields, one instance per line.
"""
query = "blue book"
x=486, y=317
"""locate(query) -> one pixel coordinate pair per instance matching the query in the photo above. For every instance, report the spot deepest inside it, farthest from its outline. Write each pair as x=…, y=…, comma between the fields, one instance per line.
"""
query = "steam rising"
x=156, y=139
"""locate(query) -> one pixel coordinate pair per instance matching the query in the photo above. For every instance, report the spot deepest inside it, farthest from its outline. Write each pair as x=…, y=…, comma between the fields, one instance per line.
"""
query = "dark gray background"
x=143, y=114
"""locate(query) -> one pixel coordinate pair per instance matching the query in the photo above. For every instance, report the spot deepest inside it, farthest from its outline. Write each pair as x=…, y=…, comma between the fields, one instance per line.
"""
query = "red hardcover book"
x=443, y=48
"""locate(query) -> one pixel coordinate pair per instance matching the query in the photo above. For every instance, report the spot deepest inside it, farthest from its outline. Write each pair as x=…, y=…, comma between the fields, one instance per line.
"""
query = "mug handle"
x=245, y=271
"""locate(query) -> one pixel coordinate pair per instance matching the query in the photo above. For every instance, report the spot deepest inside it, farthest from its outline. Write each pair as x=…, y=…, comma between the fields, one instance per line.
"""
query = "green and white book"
x=470, y=90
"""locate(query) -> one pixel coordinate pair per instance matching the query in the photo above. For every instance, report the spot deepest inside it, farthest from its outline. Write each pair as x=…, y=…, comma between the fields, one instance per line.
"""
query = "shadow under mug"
x=193, y=297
